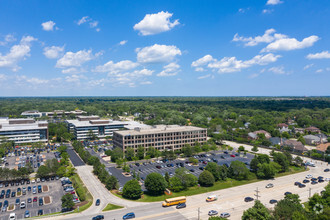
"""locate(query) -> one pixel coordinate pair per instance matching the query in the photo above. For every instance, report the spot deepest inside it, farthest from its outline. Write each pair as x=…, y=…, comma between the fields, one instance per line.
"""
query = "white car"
x=309, y=176
x=12, y=216
x=327, y=179
x=269, y=185
x=22, y=205
x=33, y=181
x=225, y=215
x=212, y=212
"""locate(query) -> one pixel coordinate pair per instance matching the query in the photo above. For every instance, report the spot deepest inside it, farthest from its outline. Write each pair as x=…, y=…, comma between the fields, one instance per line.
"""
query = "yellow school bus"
x=174, y=201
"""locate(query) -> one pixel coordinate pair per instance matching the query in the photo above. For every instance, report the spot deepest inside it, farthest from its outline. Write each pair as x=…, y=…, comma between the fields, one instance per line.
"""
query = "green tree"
x=206, y=179
x=155, y=184
x=205, y=147
x=241, y=148
x=140, y=152
x=111, y=183
x=132, y=190
x=193, y=160
x=282, y=160
x=263, y=158
x=129, y=154
x=257, y=212
x=214, y=169
x=43, y=171
x=268, y=170
x=238, y=170
x=255, y=148
x=254, y=164
x=67, y=201
x=285, y=208
x=116, y=153
x=187, y=150
x=298, y=161
x=167, y=178
x=302, y=140
x=176, y=184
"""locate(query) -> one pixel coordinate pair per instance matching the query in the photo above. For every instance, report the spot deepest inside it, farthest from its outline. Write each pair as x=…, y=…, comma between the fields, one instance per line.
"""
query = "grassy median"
x=112, y=207
x=217, y=186
x=82, y=193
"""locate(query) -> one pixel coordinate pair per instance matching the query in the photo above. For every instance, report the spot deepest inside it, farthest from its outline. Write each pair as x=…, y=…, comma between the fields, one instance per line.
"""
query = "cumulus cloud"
x=274, y=2
x=48, y=25
x=156, y=23
x=277, y=70
x=321, y=55
x=53, y=52
x=291, y=44
x=17, y=53
x=231, y=64
x=146, y=83
x=205, y=76
x=130, y=78
x=92, y=23
x=269, y=36
x=308, y=66
x=34, y=80
x=112, y=67
x=171, y=69
x=123, y=42
x=71, y=59
x=201, y=62
x=157, y=53
x=267, y=11
x=7, y=39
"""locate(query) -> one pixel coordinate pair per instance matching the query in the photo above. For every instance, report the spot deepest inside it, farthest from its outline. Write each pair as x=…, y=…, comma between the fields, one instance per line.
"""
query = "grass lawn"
x=112, y=207
x=217, y=186
x=78, y=182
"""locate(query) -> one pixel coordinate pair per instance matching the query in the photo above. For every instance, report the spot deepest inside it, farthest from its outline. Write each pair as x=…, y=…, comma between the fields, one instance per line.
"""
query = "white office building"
x=101, y=128
x=23, y=130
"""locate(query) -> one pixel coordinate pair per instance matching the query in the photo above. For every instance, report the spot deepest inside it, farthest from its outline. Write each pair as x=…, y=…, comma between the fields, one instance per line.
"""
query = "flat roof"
x=5, y=126
x=159, y=129
x=78, y=123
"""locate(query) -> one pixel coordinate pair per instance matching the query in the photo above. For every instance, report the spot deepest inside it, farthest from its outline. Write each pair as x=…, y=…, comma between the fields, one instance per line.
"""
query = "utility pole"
x=257, y=195
x=198, y=212
x=310, y=192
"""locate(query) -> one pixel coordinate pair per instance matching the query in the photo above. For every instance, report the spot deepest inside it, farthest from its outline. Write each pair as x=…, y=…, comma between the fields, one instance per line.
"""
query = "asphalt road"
x=75, y=159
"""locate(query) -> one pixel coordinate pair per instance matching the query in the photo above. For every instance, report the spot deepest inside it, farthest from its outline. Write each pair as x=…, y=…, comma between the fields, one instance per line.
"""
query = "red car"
x=35, y=199
x=204, y=162
x=232, y=155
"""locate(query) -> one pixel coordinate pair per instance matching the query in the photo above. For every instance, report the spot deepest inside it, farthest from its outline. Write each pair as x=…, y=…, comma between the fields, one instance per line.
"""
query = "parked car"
x=306, y=181
x=98, y=201
x=273, y=201
x=27, y=214
x=129, y=215
x=23, y=205
x=41, y=202
x=35, y=199
x=212, y=212
x=327, y=170
x=40, y=212
x=13, y=194
x=302, y=185
x=29, y=200
x=309, y=176
x=18, y=201
x=297, y=183
x=225, y=215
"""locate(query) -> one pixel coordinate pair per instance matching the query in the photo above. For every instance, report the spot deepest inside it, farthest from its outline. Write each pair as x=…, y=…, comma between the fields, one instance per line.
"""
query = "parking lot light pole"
x=198, y=213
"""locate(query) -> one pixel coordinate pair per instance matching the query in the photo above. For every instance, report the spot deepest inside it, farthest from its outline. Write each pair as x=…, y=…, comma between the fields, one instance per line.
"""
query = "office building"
x=23, y=130
x=58, y=113
x=162, y=137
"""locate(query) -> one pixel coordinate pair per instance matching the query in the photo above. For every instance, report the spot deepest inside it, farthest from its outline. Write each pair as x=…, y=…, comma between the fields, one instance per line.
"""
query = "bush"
x=132, y=190
x=81, y=194
x=67, y=201
x=206, y=178
x=155, y=184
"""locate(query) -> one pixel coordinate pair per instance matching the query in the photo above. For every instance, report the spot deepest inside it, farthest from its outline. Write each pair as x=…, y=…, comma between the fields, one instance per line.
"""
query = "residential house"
x=323, y=138
x=313, y=130
x=282, y=125
x=321, y=148
x=277, y=141
x=312, y=139
x=254, y=135
x=299, y=130
x=247, y=124
x=296, y=146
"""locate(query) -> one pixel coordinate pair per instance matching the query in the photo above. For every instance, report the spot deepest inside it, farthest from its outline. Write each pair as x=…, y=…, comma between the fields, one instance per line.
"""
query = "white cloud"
x=231, y=64
x=321, y=55
x=112, y=67
x=308, y=66
x=8, y=39
x=17, y=53
x=92, y=23
x=269, y=36
x=98, y=82
x=123, y=42
x=171, y=69
x=155, y=23
x=201, y=62
x=277, y=70
x=130, y=78
x=205, y=76
x=274, y=2
x=267, y=11
x=48, y=26
x=2, y=77
x=319, y=71
x=157, y=53
x=53, y=52
x=73, y=70
x=71, y=59
x=34, y=80
x=146, y=83
x=254, y=75
x=291, y=44
x=74, y=78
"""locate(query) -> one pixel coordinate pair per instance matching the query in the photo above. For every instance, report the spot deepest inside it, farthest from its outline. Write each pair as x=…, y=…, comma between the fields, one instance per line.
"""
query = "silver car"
x=225, y=215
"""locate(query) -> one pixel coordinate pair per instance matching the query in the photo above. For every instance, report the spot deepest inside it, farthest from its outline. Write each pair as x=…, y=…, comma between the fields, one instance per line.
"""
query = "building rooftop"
x=17, y=124
x=159, y=129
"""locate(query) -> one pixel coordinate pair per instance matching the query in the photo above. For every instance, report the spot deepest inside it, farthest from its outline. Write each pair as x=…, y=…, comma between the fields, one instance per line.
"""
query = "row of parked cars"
x=69, y=189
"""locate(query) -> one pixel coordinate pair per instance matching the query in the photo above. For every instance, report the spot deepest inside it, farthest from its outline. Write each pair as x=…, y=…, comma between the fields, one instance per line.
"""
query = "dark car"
x=98, y=217
x=297, y=183
x=40, y=212
x=321, y=180
x=226, y=152
x=314, y=182
x=248, y=199
x=222, y=157
x=137, y=164
x=158, y=167
x=29, y=200
x=29, y=189
x=192, y=170
x=320, y=177
x=129, y=215
x=273, y=201
x=41, y=202
x=327, y=170
x=306, y=181
x=98, y=201
x=66, y=209
x=13, y=194
x=314, y=179
x=302, y=185
x=201, y=168
x=181, y=205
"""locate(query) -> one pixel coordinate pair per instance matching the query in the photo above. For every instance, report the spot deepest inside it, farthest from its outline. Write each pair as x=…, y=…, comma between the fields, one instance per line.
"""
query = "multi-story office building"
x=101, y=128
x=23, y=130
x=162, y=137
x=58, y=113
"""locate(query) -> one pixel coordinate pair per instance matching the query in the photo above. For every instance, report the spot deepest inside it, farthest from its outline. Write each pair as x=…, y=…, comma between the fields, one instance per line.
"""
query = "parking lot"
x=31, y=199
x=146, y=168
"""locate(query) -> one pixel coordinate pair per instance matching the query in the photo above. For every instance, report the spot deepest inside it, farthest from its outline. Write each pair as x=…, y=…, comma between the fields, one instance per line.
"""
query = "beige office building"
x=162, y=137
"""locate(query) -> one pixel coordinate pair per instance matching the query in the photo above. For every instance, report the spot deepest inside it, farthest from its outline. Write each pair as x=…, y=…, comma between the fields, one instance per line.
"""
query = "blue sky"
x=165, y=48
